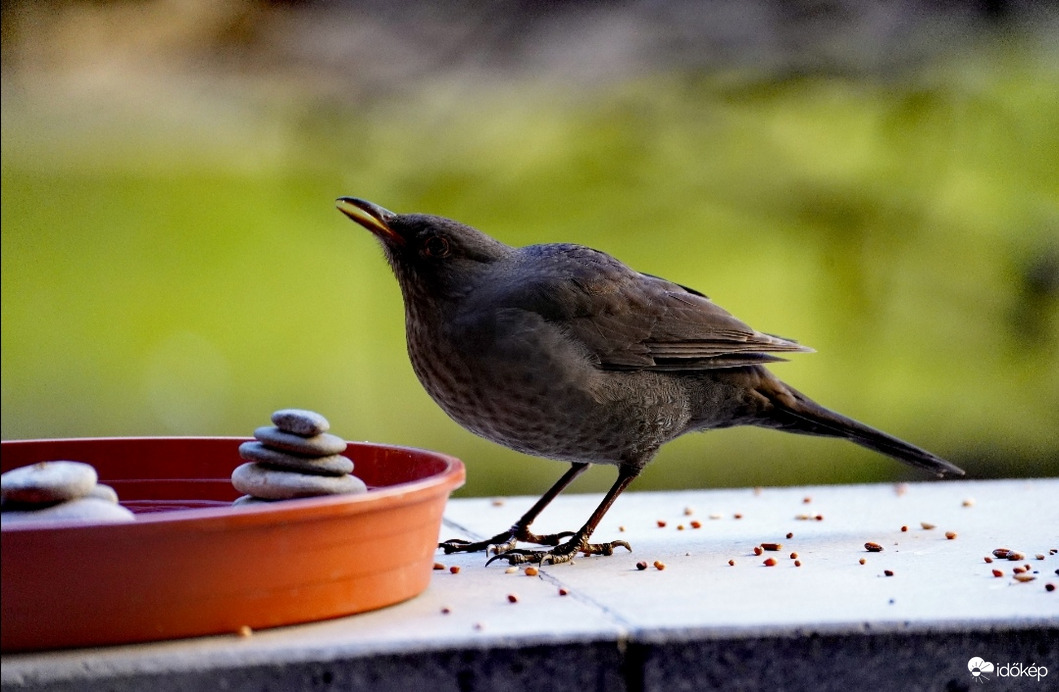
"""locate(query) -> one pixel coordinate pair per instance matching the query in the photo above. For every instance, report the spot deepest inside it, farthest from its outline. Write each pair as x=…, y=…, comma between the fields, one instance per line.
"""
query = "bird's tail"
x=797, y=413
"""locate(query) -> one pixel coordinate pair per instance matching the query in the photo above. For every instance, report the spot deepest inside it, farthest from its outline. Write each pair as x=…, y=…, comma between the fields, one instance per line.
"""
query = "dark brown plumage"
x=564, y=352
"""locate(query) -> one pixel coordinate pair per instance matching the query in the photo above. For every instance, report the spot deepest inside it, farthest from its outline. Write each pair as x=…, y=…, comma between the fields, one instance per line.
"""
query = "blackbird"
x=562, y=351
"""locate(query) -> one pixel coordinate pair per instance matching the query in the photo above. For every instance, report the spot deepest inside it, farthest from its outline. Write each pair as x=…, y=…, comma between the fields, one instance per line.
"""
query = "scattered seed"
x=696, y=524
x=758, y=550
x=455, y=569
x=1015, y=556
x=445, y=610
x=563, y=591
x=797, y=563
x=661, y=524
x=1049, y=587
x=715, y=516
x=498, y=502
x=987, y=559
x=790, y=535
x=819, y=517
x=438, y=565
x=531, y=571
x=806, y=500
x=479, y=626
x=1053, y=551
x=680, y=527
x=1001, y=553
x=862, y=561
x=950, y=535
x=512, y=598
x=731, y=563
x=927, y=526
x=757, y=489
x=621, y=529
x=900, y=489
x=688, y=511
x=511, y=570
x=1024, y=577
x=772, y=546
x=803, y=517
x=794, y=556
x=770, y=562
x=1039, y=556
x=904, y=528
x=969, y=502
x=873, y=547
x=998, y=573
x=245, y=632
x=888, y=572
x=641, y=565
x=737, y=515
x=659, y=565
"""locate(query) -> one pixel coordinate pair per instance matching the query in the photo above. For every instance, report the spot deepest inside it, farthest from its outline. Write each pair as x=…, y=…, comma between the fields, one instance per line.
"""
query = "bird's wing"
x=628, y=320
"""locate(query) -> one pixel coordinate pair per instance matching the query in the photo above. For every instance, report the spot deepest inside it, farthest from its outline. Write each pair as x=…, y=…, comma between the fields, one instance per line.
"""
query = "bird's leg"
x=520, y=530
x=578, y=543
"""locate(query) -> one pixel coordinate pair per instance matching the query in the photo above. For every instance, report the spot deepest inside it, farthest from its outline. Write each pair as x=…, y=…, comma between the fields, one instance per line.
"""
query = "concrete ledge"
x=700, y=623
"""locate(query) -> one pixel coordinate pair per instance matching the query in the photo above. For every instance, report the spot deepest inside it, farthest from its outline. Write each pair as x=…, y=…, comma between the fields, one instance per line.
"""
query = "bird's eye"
x=436, y=246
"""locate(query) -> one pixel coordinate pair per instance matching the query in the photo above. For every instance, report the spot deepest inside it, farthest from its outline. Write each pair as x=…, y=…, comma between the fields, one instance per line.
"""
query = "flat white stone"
x=47, y=482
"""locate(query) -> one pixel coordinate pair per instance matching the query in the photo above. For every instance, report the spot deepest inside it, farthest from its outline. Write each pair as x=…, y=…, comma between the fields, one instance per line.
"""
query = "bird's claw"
x=501, y=543
x=564, y=552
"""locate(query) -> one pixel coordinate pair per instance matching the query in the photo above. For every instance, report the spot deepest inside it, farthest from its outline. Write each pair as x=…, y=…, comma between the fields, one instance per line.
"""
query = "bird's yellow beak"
x=370, y=216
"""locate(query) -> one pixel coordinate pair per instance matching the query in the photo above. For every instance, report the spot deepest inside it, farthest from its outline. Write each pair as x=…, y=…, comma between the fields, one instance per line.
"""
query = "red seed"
x=862, y=561
x=790, y=535
x=988, y=559
x=950, y=535
x=806, y=500
x=819, y=517
x=1049, y=587
x=531, y=571
x=998, y=573
x=888, y=572
x=797, y=563
x=661, y=524
x=770, y=562
x=445, y=610
x=758, y=550
x=563, y=592
x=904, y=528
x=641, y=565
x=1001, y=553
x=731, y=563
x=455, y=569
x=696, y=524
x=737, y=515
x=512, y=598
x=873, y=547
x=772, y=546
x=659, y=565
x=794, y=556
x=1024, y=577
x=438, y=565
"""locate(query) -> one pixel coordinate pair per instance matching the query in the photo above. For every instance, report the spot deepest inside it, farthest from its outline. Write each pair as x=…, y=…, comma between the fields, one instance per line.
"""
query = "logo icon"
x=979, y=668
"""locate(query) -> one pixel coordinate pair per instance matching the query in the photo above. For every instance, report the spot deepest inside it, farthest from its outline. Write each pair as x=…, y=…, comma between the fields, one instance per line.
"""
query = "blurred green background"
x=879, y=181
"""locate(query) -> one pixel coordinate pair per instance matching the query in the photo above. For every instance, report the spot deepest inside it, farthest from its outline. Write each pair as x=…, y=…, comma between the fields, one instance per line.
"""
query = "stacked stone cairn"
x=58, y=491
x=296, y=457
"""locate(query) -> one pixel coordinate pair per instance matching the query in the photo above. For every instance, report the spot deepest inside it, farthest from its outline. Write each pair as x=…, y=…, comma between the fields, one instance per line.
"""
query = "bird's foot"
x=564, y=552
x=502, y=542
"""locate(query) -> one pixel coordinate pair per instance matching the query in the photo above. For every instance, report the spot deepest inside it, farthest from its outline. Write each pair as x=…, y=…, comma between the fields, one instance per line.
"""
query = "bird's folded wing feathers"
x=629, y=320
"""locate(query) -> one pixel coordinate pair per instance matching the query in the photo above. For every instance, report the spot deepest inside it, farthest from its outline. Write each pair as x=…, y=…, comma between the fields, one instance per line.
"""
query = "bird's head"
x=430, y=255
